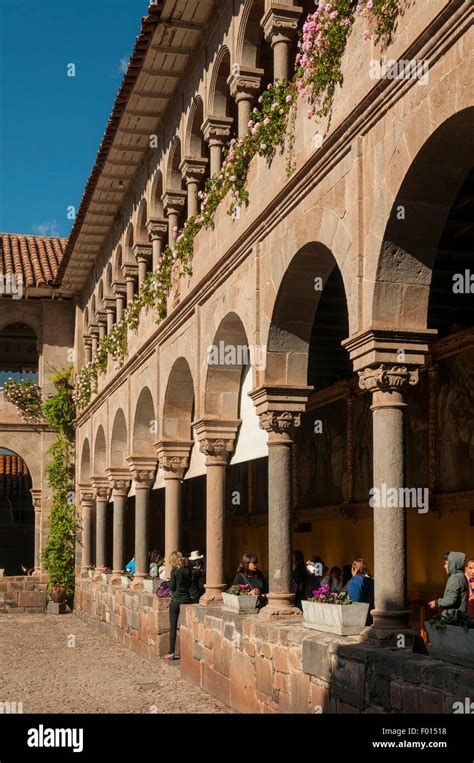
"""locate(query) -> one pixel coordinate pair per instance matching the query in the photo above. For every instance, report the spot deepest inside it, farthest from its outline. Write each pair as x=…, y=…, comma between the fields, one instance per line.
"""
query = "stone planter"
x=232, y=603
x=150, y=585
x=452, y=644
x=125, y=581
x=105, y=578
x=91, y=573
x=342, y=619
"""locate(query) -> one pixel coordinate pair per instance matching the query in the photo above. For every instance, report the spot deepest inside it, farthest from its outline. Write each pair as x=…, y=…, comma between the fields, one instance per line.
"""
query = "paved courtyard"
x=96, y=675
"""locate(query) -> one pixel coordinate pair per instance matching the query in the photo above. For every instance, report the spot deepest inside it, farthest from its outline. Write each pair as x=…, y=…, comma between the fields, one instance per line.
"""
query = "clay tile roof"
x=35, y=258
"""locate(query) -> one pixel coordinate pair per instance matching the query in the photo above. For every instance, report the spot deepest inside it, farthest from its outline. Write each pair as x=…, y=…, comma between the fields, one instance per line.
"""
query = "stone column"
x=173, y=458
x=94, y=339
x=193, y=172
x=143, y=253
x=102, y=321
x=102, y=491
x=110, y=313
x=157, y=230
x=120, y=291
x=216, y=441
x=174, y=203
x=87, y=339
x=387, y=363
x=279, y=410
x=280, y=26
x=244, y=86
x=36, y=497
x=130, y=272
x=216, y=132
x=143, y=471
x=87, y=499
x=119, y=481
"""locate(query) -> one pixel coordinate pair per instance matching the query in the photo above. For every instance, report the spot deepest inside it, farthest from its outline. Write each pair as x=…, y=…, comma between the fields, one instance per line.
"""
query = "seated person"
x=249, y=574
x=131, y=566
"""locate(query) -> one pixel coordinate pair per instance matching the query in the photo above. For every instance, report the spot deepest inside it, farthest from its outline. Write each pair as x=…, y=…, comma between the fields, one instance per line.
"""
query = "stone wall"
x=263, y=667
x=26, y=594
x=137, y=619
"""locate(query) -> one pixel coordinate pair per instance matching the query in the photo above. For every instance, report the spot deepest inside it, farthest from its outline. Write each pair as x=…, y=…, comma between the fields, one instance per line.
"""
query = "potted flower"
x=334, y=613
x=238, y=598
x=58, y=594
x=452, y=638
x=105, y=574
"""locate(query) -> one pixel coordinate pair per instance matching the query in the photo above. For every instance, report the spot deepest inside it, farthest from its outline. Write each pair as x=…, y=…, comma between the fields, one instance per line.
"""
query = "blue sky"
x=51, y=125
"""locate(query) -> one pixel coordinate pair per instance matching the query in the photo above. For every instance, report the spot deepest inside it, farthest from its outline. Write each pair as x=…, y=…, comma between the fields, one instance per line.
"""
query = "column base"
x=213, y=597
x=116, y=580
x=390, y=629
x=281, y=606
x=137, y=583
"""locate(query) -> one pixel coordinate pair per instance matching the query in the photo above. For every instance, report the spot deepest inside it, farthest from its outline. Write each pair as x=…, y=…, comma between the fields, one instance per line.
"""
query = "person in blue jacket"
x=361, y=586
x=131, y=566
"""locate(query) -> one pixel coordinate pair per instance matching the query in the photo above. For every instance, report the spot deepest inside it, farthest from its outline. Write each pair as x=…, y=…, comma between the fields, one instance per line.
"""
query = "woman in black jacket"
x=248, y=574
x=183, y=586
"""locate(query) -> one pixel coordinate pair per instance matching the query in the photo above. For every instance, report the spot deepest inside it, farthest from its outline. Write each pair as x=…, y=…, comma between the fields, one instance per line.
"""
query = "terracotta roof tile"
x=35, y=258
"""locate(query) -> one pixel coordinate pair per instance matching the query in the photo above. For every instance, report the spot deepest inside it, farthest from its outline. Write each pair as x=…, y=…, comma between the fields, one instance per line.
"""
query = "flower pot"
x=233, y=603
x=125, y=580
x=342, y=619
x=451, y=643
x=150, y=585
x=58, y=595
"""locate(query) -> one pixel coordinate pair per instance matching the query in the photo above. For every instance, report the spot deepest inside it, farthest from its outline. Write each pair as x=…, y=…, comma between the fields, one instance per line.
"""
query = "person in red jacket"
x=469, y=573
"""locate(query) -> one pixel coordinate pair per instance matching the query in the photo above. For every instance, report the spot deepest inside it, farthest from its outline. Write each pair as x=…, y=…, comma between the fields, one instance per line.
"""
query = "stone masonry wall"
x=23, y=593
x=137, y=619
x=262, y=667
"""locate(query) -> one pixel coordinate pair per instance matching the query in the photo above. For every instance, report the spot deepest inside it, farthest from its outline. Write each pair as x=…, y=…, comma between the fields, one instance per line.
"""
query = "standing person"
x=301, y=578
x=469, y=573
x=197, y=561
x=335, y=580
x=456, y=592
x=361, y=586
x=249, y=574
x=156, y=562
x=181, y=585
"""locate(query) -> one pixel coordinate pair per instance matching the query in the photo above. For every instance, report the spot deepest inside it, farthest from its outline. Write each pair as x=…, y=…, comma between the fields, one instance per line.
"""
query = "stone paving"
x=40, y=669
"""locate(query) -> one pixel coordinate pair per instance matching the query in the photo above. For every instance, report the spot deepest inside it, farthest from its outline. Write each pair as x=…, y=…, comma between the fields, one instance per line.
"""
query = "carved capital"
x=87, y=339
x=216, y=438
x=244, y=84
x=109, y=303
x=101, y=488
x=143, y=471
x=102, y=318
x=216, y=130
x=157, y=228
x=280, y=24
x=173, y=458
x=388, y=378
x=87, y=497
x=119, y=481
x=279, y=422
x=193, y=170
x=174, y=201
x=36, y=498
x=119, y=289
x=216, y=446
x=130, y=271
x=142, y=251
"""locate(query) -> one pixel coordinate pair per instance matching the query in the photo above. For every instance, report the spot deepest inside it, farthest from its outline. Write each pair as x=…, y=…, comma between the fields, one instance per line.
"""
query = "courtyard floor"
x=50, y=672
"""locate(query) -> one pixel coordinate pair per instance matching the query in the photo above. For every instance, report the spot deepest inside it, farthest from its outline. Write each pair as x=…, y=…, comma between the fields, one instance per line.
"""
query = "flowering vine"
x=271, y=127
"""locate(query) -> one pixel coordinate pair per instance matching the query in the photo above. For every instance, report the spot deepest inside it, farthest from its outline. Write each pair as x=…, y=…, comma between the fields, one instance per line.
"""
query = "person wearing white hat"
x=197, y=561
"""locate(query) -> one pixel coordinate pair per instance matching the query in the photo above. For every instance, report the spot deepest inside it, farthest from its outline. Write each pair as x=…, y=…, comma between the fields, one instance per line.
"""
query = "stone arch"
x=174, y=180
x=100, y=295
x=93, y=310
x=293, y=316
x=16, y=314
x=144, y=426
x=194, y=143
x=227, y=359
x=86, y=319
x=20, y=355
x=117, y=263
x=178, y=407
x=252, y=50
x=17, y=517
x=108, y=280
x=128, y=244
x=142, y=217
x=100, y=453
x=400, y=278
x=119, y=441
x=85, y=463
x=156, y=196
x=219, y=94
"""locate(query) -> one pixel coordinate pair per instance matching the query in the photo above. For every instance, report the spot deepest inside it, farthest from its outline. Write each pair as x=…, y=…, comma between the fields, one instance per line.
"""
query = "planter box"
x=232, y=603
x=125, y=580
x=91, y=573
x=105, y=578
x=150, y=585
x=342, y=619
x=452, y=644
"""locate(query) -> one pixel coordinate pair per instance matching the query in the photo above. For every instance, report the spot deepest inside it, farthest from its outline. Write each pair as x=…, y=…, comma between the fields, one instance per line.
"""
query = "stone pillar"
x=216, y=441
x=216, y=132
x=36, y=497
x=94, y=339
x=110, y=313
x=120, y=291
x=279, y=410
x=102, y=491
x=174, y=203
x=157, y=230
x=280, y=26
x=130, y=272
x=102, y=321
x=87, y=339
x=87, y=499
x=193, y=172
x=143, y=253
x=119, y=481
x=244, y=86
x=387, y=363
x=173, y=458
x=143, y=471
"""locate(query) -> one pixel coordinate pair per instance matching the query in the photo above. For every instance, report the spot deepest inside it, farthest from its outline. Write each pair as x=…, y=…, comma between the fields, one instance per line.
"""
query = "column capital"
x=101, y=488
x=173, y=457
x=119, y=481
x=109, y=303
x=244, y=83
x=143, y=469
x=157, y=228
x=216, y=439
x=94, y=330
x=120, y=288
x=279, y=410
x=280, y=23
x=36, y=498
x=193, y=170
x=216, y=130
x=101, y=317
x=87, y=339
x=142, y=252
x=374, y=347
x=174, y=201
x=130, y=271
x=87, y=495
x=388, y=378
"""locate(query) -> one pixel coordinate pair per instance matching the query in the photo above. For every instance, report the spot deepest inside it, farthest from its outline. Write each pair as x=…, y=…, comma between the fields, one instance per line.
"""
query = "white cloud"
x=123, y=65
x=47, y=228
